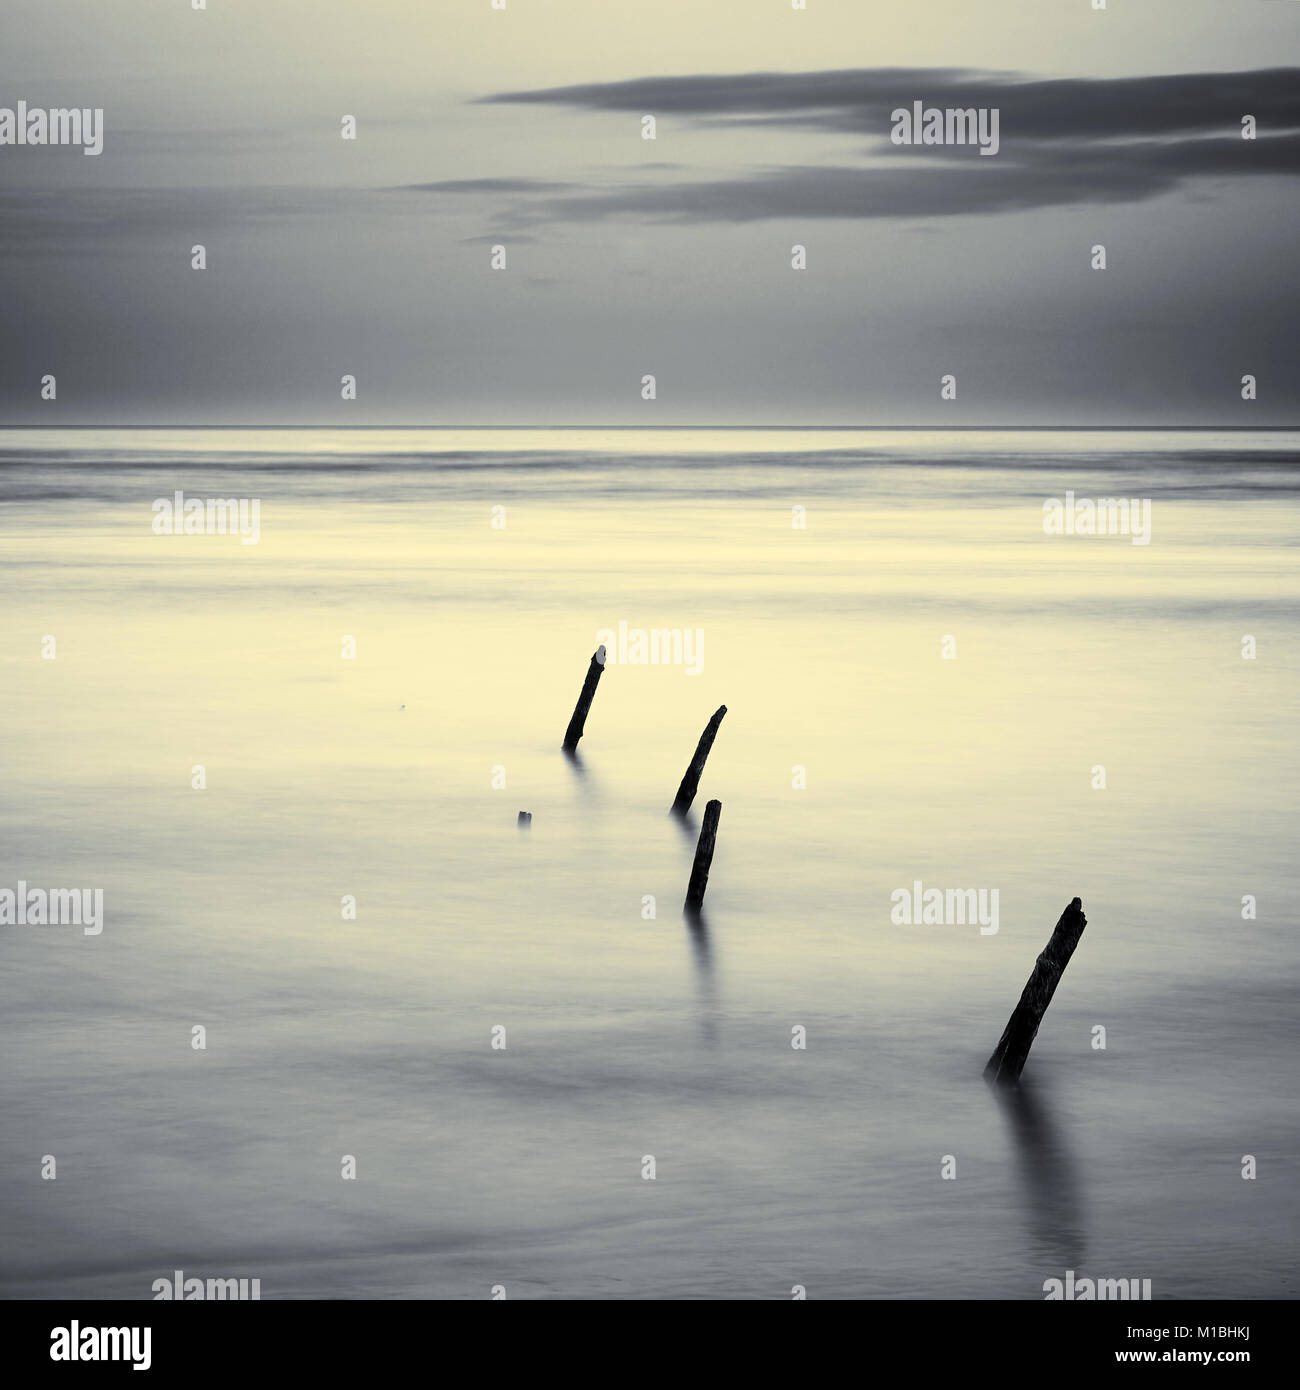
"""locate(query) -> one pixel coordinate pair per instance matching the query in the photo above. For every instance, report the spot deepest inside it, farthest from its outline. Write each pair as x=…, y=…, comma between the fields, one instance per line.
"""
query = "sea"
x=348, y=1029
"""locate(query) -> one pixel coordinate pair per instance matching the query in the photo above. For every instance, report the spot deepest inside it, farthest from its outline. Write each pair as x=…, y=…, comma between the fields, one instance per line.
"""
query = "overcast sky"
x=670, y=257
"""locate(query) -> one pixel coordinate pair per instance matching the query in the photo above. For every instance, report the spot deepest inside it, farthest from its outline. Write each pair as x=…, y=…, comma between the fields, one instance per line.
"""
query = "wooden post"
x=574, y=732
x=1008, y=1059
x=703, y=855
x=691, y=781
x=525, y=820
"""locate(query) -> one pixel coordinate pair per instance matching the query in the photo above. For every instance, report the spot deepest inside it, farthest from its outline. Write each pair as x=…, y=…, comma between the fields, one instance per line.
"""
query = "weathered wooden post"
x=703, y=855
x=1008, y=1059
x=691, y=781
x=574, y=732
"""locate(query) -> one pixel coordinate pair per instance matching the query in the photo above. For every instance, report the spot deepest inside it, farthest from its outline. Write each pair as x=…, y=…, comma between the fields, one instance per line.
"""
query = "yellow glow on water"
x=854, y=759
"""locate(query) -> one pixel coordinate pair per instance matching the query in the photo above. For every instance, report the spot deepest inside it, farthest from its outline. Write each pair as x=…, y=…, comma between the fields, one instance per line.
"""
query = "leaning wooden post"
x=1008, y=1059
x=574, y=732
x=691, y=781
x=703, y=855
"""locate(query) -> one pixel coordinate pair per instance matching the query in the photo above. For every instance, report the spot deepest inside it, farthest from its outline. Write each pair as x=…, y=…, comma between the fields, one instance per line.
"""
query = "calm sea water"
x=855, y=759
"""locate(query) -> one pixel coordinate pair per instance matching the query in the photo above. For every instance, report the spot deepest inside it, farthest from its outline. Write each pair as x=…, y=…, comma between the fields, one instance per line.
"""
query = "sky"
x=626, y=257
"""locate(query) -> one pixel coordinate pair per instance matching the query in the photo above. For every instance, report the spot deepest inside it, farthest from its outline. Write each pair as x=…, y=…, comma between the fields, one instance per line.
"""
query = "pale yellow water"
x=629, y=1037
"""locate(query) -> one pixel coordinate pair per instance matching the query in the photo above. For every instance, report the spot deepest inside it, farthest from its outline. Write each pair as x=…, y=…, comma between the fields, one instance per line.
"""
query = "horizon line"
x=948, y=429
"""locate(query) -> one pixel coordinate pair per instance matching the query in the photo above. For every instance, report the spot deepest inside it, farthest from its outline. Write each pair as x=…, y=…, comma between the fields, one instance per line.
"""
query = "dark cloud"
x=860, y=100
x=489, y=186
x=491, y=239
x=953, y=189
x=1062, y=141
x=932, y=181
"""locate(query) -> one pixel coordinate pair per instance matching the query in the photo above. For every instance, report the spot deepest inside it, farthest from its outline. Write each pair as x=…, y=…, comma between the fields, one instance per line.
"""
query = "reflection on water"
x=1048, y=1175
x=697, y=927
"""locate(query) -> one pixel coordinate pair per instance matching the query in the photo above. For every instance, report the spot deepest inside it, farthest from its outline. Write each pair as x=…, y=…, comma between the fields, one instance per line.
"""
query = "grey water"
x=921, y=683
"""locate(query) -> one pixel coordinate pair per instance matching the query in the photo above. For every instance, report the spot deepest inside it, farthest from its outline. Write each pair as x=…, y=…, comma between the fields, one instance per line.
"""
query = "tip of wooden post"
x=525, y=819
